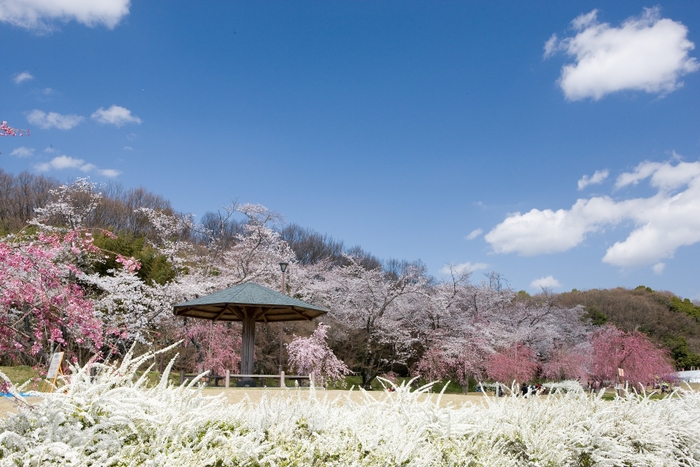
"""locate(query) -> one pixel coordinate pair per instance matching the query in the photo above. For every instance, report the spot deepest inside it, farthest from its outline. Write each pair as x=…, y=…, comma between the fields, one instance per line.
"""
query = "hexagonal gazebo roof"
x=234, y=303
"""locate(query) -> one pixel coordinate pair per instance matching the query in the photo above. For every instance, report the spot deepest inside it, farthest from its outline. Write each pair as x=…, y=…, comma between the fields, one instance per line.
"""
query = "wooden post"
x=228, y=378
x=282, y=385
x=248, y=343
x=312, y=380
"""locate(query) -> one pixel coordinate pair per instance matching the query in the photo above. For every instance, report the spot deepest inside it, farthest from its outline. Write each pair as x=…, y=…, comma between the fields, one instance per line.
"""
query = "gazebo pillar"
x=248, y=342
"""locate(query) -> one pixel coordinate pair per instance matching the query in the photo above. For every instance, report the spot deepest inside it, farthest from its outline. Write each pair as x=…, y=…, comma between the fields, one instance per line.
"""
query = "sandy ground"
x=255, y=395
x=234, y=395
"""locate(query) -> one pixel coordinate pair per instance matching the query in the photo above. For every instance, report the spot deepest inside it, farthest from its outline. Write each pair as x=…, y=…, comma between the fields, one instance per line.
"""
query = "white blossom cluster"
x=106, y=416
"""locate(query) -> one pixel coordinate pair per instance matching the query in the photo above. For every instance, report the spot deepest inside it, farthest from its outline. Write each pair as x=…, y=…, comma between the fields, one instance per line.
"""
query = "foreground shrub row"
x=114, y=419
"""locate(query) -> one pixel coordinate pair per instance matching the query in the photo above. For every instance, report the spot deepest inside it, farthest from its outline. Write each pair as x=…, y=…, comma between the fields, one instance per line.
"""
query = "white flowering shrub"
x=106, y=416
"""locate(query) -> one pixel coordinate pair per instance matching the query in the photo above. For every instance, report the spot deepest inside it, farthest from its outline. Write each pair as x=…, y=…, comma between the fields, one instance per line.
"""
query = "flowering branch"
x=6, y=130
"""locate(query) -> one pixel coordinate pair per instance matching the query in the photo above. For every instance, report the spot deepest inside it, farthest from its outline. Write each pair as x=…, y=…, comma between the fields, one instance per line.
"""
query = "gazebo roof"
x=234, y=303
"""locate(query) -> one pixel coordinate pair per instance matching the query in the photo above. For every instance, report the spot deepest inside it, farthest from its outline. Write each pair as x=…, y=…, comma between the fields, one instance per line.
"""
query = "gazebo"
x=248, y=303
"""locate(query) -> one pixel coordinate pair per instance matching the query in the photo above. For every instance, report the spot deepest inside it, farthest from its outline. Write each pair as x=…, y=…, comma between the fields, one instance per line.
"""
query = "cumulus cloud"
x=547, y=231
x=22, y=152
x=463, y=268
x=41, y=16
x=596, y=179
x=473, y=234
x=115, y=115
x=67, y=162
x=646, y=53
x=20, y=78
x=662, y=223
x=53, y=120
x=548, y=282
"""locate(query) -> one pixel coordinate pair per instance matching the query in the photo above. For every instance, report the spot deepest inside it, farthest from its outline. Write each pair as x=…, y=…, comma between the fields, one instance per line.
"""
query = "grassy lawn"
x=20, y=374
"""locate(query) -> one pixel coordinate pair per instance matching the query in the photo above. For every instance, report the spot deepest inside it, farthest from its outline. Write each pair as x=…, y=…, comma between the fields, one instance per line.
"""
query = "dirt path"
x=235, y=395
x=8, y=406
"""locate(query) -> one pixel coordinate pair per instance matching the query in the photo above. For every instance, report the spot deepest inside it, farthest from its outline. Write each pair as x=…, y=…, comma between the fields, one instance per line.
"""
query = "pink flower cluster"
x=130, y=264
x=6, y=130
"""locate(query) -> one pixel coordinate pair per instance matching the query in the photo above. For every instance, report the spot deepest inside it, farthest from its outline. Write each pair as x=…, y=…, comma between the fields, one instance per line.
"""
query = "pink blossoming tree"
x=216, y=346
x=42, y=306
x=515, y=363
x=642, y=361
x=312, y=356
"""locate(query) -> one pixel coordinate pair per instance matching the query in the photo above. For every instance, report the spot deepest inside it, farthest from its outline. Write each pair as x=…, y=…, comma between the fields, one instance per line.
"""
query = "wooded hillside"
x=669, y=320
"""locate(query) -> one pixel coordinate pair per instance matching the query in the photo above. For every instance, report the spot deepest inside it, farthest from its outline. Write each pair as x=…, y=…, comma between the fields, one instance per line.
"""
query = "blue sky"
x=559, y=146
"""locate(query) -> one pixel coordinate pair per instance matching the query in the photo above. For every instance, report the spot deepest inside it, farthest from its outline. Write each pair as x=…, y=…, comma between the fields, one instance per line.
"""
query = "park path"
x=254, y=396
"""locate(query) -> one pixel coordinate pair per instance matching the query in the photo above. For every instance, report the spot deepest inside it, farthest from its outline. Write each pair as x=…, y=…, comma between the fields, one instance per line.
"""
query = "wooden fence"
x=228, y=376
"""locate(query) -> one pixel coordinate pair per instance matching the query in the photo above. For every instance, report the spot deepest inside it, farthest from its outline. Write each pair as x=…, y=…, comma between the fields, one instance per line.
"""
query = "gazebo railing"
x=228, y=376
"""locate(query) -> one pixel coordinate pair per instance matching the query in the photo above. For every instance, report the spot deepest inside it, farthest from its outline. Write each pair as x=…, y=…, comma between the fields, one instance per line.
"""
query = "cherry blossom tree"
x=312, y=356
x=515, y=363
x=216, y=346
x=642, y=361
x=41, y=304
x=566, y=362
x=372, y=309
x=434, y=365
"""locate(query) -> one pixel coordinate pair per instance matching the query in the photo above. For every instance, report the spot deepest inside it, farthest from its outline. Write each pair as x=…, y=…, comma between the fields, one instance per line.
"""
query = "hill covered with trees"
x=667, y=319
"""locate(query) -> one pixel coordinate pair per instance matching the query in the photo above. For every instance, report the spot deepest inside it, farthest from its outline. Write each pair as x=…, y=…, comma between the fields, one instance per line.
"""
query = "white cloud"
x=128, y=148
x=67, y=162
x=22, y=77
x=646, y=53
x=662, y=223
x=463, y=268
x=53, y=120
x=596, y=179
x=111, y=173
x=41, y=15
x=115, y=115
x=551, y=46
x=548, y=282
x=537, y=232
x=473, y=234
x=663, y=176
x=22, y=152
x=658, y=268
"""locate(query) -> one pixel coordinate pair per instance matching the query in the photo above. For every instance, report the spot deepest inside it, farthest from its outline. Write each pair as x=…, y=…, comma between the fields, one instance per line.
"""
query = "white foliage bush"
x=114, y=419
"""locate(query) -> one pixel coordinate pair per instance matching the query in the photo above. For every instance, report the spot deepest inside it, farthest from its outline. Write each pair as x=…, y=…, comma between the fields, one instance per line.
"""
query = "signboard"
x=620, y=372
x=55, y=365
